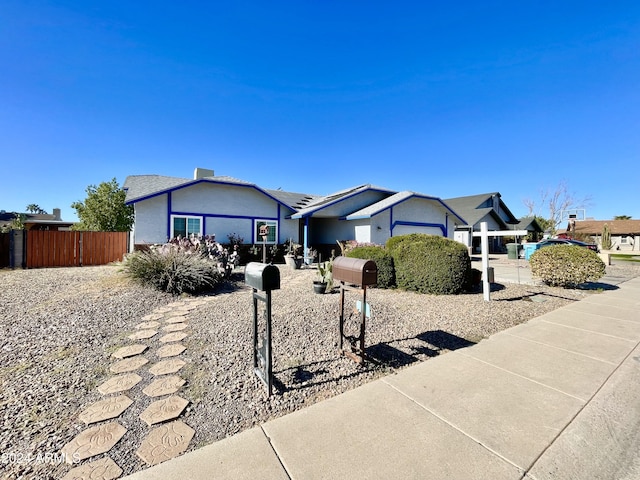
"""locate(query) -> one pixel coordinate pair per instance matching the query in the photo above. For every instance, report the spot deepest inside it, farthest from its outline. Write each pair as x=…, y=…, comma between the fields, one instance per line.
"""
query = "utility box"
x=355, y=271
x=262, y=276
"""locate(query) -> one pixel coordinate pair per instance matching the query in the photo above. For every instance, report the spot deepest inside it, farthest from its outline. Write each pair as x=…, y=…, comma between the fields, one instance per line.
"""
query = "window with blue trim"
x=185, y=226
x=272, y=234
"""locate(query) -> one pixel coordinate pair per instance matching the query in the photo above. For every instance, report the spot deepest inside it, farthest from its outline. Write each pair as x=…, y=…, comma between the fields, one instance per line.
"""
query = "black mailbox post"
x=262, y=278
x=354, y=274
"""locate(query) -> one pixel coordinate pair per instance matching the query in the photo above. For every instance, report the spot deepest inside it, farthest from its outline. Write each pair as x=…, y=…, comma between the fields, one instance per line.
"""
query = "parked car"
x=590, y=246
x=563, y=241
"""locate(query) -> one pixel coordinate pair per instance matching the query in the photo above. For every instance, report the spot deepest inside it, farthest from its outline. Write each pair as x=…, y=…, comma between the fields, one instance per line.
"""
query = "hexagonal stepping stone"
x=105, y=409
x=175, y=327
x=103, y=469
x=175, y=319
x=162, y=410
x=128, y=364
x=147, y=325
x=153, y=316
x=129, y=351
x=164, y=386
x=165, y=442
x=173, y=337
x=93, y=441
x=120, y=383
x=186, y=308
x=164, y=367
x=165, y=309
x=142, y=334
x=171, y=350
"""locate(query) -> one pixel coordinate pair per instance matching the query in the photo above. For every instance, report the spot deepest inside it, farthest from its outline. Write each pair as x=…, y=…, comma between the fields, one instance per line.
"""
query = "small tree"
x=622, y=217
x=104, y=209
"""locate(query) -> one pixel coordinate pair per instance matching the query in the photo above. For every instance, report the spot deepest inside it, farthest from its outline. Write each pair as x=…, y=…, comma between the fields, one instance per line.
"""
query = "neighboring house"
x=625, y=234
x=167, y=206
x=36, y=221
x=531, y=225
x=486, y=207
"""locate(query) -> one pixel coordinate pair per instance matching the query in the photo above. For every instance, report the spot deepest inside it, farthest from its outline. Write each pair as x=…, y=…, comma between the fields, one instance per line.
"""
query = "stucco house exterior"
x=485, y=207
x=207, y=204
x=625, y=234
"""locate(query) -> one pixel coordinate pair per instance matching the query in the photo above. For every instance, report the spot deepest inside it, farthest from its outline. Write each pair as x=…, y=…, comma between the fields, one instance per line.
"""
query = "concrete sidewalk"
x=555, y=398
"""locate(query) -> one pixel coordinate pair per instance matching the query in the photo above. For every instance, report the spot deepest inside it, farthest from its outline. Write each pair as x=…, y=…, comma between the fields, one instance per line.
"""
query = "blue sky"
x=442, y=98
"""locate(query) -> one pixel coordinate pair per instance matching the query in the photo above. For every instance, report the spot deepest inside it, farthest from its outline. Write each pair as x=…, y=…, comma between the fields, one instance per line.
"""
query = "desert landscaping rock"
x=128, y=364
x=175, y=327
x=163, y=410
x=153, y=324
x=170, y=350
x=103, y=469
x=120, y=383
x=93, y=441
x=142, y=334
x=173, y=337
x=59, y=326
x=129, y=351
x=165, y=442
x=105, y=409
x=164, y=386
x=165, y=367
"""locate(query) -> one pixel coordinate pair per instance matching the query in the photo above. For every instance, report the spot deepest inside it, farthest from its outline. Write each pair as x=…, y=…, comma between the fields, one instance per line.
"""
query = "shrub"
x=384, y=261
x=566, y=265
x=173, y=271
x=430, y=263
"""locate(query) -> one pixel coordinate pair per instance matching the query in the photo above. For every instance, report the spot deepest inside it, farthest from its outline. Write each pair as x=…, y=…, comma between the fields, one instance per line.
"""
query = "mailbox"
x=262, y=276
x=355, y=271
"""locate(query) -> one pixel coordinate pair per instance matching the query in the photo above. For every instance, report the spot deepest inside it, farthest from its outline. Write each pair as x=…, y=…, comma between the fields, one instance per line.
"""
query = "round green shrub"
x=566, y=265
x=393, y=243
x=384, y=262
x=173, y=272
x=431, y=264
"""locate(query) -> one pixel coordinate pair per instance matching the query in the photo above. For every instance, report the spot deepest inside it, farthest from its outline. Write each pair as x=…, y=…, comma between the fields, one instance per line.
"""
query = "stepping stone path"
x=163, y=441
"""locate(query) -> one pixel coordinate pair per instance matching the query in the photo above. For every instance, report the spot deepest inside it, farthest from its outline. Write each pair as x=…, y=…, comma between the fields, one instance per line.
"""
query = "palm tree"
x=35, y=208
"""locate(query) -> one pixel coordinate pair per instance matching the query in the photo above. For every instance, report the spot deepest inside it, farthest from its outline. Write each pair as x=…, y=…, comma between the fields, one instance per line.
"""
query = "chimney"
x=199, y=173
x=56, y=214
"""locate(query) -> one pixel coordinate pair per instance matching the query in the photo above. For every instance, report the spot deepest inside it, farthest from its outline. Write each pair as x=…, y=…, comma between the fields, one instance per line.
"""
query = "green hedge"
x=566, y=265
x=430, y=263
x=384, y=261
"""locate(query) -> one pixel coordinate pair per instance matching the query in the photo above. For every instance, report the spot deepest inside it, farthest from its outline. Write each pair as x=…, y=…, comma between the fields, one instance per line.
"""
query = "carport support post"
x=484, y=246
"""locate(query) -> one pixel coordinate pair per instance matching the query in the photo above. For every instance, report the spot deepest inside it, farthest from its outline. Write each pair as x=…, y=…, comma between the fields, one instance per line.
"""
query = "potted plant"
x=292, y=256
x=310, y=256
x=325, y=282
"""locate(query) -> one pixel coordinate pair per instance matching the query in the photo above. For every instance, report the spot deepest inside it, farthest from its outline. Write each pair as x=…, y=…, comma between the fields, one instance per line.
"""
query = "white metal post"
x=484, y=246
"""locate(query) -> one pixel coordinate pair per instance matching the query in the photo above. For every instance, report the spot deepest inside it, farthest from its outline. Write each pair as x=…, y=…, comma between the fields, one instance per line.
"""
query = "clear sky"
x=442, y=98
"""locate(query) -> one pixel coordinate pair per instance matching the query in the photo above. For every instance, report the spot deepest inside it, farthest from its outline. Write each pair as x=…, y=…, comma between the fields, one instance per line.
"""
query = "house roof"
x=320, y=203
x=529, y=223
x=395, y=199
x=469, y=208
x=142, y=187
x=34, y=218
x=616, y=227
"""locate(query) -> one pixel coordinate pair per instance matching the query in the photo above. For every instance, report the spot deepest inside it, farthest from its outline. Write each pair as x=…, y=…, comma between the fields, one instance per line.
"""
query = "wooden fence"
x=48, y=248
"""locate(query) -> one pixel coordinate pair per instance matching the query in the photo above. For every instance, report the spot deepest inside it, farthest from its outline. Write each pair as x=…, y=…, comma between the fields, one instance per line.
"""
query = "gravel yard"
x=59, y=327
